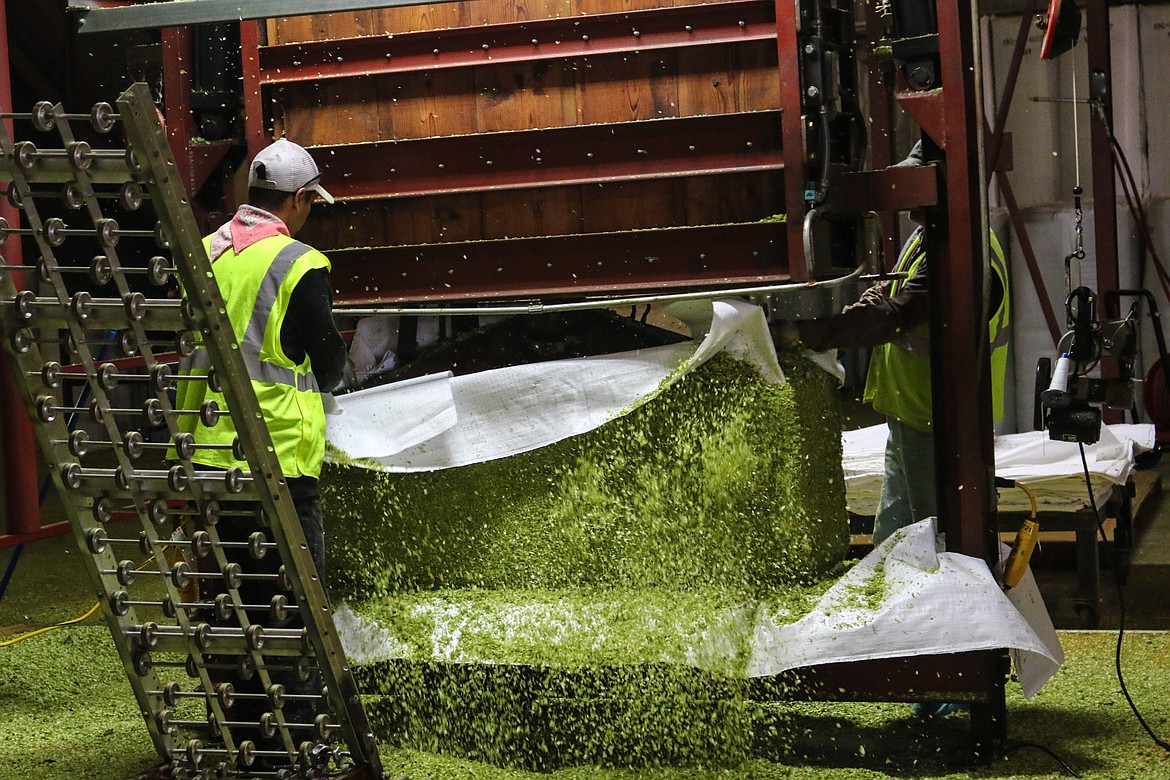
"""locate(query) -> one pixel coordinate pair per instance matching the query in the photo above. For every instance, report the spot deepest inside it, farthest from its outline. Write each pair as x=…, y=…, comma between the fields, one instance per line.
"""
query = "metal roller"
x=45, y=116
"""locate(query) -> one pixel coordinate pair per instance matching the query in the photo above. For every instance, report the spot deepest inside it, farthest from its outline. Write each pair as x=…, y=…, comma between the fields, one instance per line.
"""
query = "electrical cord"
x=65, y=623
x=1037, y=746
x=1031, y=497
x=1113, y=559
x=46, y=629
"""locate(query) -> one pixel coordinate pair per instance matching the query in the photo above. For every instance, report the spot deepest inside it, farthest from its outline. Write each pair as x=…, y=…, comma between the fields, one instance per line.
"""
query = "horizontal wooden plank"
x=649, y=149
x=573, y=266
x=526, y=41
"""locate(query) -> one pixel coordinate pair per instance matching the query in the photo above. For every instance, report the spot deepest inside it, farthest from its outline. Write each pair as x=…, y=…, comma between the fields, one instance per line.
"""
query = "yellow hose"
x=1023, y=546
x=63, y=624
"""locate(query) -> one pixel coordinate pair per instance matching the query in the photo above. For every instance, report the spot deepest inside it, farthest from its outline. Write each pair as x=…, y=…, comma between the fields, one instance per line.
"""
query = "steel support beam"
x=950, y=677
x=958, y=245
x=528, y=41
x=579, y=154
x=881, y=78
x=196, y=161
x=1100, y=74
x=253, y=36
x=960, y=353
x=788, y=24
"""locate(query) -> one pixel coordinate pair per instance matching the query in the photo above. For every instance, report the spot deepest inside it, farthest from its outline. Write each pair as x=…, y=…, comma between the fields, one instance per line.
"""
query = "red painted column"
x=252, y=36
x=17, y=445
x=959, y=351
x=1100, y=56
x=792, y=132
x=883, y=111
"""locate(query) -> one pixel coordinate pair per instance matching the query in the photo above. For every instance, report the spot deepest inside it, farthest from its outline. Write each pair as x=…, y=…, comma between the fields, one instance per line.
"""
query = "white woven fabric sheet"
x=512, y=410
x=934, y=602
x=1051, y=469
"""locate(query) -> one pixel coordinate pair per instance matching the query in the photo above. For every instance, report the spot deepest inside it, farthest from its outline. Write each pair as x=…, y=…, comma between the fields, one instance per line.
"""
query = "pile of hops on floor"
x=592, y=601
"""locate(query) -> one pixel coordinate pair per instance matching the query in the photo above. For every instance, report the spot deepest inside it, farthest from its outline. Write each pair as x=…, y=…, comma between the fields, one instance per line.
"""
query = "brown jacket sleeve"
x=876, y=318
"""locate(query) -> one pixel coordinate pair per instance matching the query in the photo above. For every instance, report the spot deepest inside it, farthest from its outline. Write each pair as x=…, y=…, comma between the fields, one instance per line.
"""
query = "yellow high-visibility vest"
x=898, y=383
x=256, y=285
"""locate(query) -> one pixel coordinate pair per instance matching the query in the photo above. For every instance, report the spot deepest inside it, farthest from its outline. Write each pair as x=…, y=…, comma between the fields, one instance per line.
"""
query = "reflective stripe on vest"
x=898, y=383
x=253, y=341
x=257, y=284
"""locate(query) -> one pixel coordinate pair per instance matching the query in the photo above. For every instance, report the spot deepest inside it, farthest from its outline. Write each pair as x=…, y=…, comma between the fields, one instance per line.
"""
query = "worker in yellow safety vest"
x=279, y=301
x=893, y=318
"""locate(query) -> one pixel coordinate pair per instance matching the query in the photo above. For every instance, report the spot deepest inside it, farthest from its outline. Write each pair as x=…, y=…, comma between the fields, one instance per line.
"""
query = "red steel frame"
x=952, y=116
x=583, y=154
x=792, y=131
x=17, y=444
x=603, y=154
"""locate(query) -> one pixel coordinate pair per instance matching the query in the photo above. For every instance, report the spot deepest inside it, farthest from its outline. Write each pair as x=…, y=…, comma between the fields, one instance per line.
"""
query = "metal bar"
x=178, y=69
x=10, y=568
x=196, y=161
x=256, y=135
x=42, y=532
x=1099, y=58
x=611, y=263
x=882, y=132
x=946, y=677
x=960, y=353
x=594, y=303
x=580, y=154
x=528, y=41
x=888, y=189
x=792, y=131
x=178, y=13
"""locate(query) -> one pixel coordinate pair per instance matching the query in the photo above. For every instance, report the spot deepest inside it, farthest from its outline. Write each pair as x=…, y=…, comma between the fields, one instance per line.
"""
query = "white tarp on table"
x=494, y=414
x=930, y=603
x=1051, y=469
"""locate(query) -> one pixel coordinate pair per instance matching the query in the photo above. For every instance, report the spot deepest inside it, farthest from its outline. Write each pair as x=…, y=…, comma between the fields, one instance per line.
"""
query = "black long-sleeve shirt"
x=308, y=329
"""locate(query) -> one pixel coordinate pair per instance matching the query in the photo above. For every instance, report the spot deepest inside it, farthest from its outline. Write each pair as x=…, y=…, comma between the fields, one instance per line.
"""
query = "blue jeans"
x=908, y=488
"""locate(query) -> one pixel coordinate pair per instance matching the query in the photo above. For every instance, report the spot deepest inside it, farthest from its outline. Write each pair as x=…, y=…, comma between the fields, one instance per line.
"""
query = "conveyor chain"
x=126, y=475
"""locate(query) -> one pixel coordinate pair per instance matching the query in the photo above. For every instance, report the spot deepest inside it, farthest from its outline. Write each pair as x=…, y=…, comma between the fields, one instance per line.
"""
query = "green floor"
x=67, y=711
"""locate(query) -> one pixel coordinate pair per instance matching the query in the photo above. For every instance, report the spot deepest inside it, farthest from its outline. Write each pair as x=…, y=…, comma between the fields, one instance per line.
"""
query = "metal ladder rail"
x=152, y=164
x=200, y=494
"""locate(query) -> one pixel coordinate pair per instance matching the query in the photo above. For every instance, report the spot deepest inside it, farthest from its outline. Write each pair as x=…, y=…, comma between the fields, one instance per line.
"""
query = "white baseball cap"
x=286, y=167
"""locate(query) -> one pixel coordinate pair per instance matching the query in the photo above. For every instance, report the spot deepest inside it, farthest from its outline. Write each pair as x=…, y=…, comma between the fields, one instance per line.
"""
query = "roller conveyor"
x=123, y=500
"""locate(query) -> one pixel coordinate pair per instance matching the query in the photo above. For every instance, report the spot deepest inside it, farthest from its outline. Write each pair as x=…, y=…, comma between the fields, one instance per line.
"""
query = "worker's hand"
x=784, y=333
